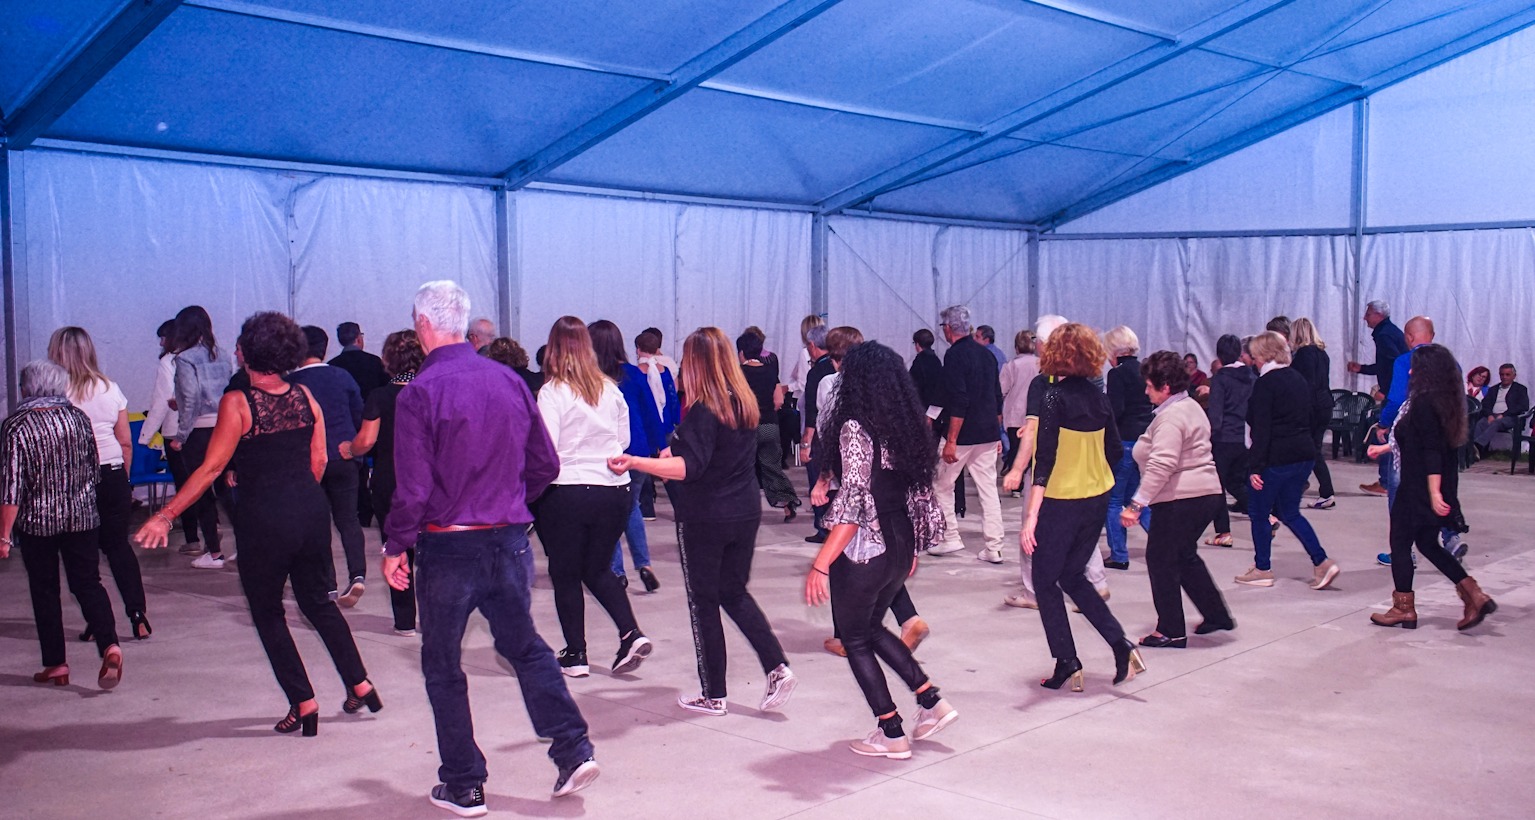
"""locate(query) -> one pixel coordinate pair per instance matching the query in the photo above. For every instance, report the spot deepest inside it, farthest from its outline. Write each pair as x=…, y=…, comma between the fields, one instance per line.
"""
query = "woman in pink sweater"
x=1180, y=484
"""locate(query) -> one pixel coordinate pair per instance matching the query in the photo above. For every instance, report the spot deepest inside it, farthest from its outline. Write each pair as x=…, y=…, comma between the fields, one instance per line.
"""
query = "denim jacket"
x=200, y=381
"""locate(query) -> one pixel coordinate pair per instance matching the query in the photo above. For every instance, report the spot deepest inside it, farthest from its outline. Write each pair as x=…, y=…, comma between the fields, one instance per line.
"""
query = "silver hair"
x=1047, y=325
x=817, y=336
x=1380, y=306
x=956, y=318
x=445, y=305
x=481, y=323
x=40, y=378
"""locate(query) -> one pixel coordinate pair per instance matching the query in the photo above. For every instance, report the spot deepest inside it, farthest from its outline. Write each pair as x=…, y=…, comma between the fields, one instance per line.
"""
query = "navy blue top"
x=336, y=392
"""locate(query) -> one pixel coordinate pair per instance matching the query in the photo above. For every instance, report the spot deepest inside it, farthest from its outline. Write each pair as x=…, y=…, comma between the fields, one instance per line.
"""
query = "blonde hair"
x=1303, y=332
x=1269, y=346
x=571, y=361
x=72, y=349
x=1121, y=341
x=714, y=379
x=806, y=324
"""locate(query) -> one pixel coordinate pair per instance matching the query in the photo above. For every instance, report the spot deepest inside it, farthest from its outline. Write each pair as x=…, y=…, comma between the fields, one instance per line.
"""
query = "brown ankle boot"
x=1478, y=604
x=1402, y=612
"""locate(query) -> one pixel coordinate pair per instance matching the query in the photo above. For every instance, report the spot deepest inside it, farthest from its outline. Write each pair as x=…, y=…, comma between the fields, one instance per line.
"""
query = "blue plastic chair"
x=149, y=468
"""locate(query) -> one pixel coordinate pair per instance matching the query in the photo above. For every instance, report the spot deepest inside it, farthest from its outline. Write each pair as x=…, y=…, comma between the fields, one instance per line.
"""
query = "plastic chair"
x=149, y=468
x=1347, y=412
x=1521, y=433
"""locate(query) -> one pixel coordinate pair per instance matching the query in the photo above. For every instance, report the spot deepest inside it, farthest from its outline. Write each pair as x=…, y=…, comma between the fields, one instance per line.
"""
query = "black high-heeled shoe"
x=87, y=636
x=1127, y=662
x=790, y=511
x=649, y=579
x=139, y=623
x=310, y=723
x=355, y=702
x=1069, y=668
x=1164, y=642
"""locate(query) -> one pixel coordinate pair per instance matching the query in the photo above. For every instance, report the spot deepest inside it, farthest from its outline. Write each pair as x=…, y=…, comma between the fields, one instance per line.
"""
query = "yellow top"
x=1080, y=470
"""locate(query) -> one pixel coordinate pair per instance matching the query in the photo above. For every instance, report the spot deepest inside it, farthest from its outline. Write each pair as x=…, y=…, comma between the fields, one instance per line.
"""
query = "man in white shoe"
x=1023, y=464
x=972, y=425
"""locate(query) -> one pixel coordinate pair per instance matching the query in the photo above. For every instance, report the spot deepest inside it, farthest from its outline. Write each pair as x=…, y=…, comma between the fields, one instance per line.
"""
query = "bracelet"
x=163, y=517
x=822, y=571
x=6, y=540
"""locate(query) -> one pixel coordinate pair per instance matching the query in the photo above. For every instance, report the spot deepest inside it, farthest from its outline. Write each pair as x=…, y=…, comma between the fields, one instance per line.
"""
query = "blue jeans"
x=1127, y=479
x=639, y=545
x=492, y=571
x=1282, y=488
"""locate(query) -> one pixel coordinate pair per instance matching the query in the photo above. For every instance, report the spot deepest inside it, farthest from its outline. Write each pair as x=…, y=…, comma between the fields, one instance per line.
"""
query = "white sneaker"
x=990, y=556
x=945, y=548
x=209, y=560
x=702, y=705
x=405, y=633
x=931, y=721
x=1324, y=574
x=877, y=745
x=780, y=685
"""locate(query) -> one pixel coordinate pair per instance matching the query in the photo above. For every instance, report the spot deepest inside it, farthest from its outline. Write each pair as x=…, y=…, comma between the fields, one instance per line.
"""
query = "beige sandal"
x=1219, y=540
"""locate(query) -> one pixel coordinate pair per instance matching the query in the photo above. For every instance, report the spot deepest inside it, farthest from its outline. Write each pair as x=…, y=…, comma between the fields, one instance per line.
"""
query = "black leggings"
x=176, y=460
x=1404, y=536
x=401, y=601
x=1067, y=535
x=716, y=567
x=114, y=500
x=1323, y=474
x=578, y=525
x=860, y=594
x=194, y=452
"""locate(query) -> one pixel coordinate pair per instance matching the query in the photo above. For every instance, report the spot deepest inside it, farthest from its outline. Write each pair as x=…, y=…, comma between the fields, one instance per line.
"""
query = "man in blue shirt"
x=336, y=392
x=1419, y=332
x=1390, y=344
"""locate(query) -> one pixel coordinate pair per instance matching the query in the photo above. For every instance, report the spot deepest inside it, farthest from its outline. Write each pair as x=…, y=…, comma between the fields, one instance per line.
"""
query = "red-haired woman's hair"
x=1073, y=350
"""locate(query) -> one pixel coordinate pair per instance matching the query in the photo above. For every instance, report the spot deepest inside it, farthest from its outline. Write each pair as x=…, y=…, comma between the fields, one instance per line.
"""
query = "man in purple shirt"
x=470, y=452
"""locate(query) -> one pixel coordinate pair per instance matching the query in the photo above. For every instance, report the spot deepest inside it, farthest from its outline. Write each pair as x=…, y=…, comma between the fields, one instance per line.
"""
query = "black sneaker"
x=576, y=778
x=467, y=803
x=632, y=651
x=818, y=538
x=1116, y=564
x=574, y=664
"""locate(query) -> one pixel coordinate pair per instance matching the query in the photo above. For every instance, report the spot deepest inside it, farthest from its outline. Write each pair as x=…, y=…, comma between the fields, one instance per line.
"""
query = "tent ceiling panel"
x=213, y=82
x=1365, y=54
x=36, y=34
x=965, y=60
x=719, y=144
x=1020, y=187
x=653, y=36
x=1168, y=17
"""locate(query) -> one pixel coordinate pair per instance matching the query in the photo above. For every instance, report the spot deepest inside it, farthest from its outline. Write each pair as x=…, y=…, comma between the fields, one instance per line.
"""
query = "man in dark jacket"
x=972, y=433
x=927, y=374
x=820, y=368
x=1502, y=409
x=1389, y=344
x=368, y=371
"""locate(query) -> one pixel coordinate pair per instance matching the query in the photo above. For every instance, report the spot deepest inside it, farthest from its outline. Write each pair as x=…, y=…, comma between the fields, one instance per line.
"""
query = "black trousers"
x=401, y=601
x=901, y=606
x=194, y=452
x=860, y=594
x=364, y=498
x=40, y=555
x=114, y=501
x=176, y=460
x=1174, y=565
x=578, y=525
x=1231, y=465
x=647, y=496
x=1323, y=474
x=340, y=485
x=1425, y=536
x=716, y=567
x=302, y=557
x=1066, y=535
x=1013, y=443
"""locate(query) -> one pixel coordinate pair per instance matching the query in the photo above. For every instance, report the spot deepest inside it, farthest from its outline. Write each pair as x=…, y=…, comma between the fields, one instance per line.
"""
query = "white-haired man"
x=470, y=452
x=972, y=433
x=1035, y=405
x=482, y=332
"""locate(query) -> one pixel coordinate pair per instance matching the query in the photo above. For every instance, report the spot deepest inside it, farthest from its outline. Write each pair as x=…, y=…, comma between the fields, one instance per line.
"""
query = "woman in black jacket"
x=1229, y=389
x=1281, y=414
x=1429, y=429
x=1311, y=360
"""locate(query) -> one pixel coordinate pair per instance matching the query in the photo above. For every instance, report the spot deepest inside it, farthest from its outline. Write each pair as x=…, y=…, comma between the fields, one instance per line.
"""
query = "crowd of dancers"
x=473, y=452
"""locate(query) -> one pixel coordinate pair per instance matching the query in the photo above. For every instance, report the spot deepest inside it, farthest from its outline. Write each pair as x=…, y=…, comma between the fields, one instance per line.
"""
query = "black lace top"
x=276, y=448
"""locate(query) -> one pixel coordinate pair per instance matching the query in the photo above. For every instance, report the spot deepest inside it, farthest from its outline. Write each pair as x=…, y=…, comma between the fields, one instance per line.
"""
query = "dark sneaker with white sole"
x=632, y=651
x=573, y=664
x=576, y=778
x=469, y=802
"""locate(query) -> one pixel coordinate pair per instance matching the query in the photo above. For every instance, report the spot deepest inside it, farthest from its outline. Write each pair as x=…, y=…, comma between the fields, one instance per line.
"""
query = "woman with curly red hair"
x=1078, y=444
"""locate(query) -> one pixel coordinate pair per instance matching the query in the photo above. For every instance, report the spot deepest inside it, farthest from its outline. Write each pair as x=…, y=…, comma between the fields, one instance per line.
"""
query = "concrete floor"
x=1305, y=710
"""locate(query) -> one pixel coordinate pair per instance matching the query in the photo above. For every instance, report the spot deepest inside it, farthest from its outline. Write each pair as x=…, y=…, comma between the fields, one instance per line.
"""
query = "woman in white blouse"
x=104, y=403
x=883, y=516
x=581, y=515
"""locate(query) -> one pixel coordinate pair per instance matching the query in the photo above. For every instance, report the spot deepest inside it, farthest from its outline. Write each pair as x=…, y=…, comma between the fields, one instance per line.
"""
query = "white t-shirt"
x=585, y=437
x=102, y=405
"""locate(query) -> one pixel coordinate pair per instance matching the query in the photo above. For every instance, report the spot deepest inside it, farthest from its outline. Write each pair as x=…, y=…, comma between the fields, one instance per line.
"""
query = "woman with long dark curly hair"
x=283, y=518
x=884, y=514
x=1429, y=429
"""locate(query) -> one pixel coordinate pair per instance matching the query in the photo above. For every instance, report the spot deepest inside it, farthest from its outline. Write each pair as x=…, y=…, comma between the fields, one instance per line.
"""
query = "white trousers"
x=979, y=461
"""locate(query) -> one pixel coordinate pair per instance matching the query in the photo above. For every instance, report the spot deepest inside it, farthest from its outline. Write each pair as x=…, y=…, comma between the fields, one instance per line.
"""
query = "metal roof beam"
x=317, y=21
x=1098, y=82
x=96, y=56
x=1382, y=80
x=733, y=49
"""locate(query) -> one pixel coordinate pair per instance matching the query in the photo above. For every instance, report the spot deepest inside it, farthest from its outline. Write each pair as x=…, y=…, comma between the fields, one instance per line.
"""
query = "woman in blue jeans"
x=1132, y=414
x=1280, y=414
x=646, y=439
